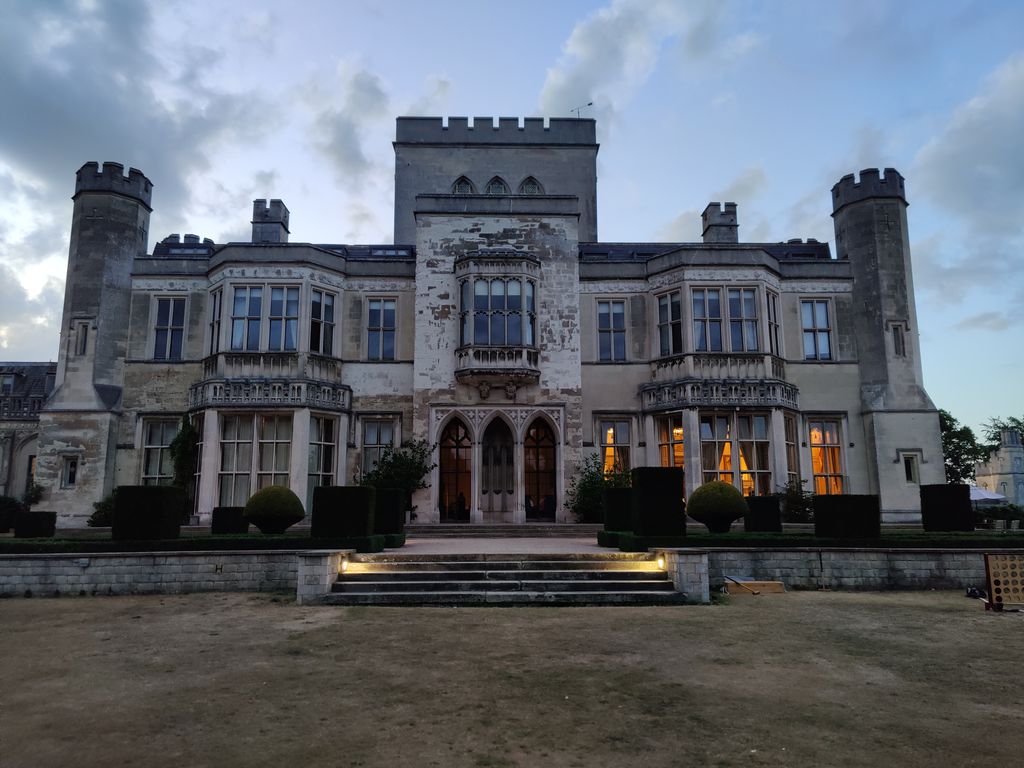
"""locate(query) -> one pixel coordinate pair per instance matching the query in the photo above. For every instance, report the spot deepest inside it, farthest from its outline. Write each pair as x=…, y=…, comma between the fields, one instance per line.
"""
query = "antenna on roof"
x=578, y=109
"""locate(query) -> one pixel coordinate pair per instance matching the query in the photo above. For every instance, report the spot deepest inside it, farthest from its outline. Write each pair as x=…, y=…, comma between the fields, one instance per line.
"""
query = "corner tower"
x=900, y=421
x=109, y=228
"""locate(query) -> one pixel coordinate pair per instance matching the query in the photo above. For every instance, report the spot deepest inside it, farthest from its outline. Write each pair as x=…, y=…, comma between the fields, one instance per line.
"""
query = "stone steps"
x=501, y=530
x=607, y=578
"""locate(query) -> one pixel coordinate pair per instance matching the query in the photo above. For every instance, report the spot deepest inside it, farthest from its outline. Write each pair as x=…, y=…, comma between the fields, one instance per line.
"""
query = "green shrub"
x=343, y=511
x=394, y=540
x=9, y=509
x=797, y=504
x=717, y=504
x=608, y=539
x=946, y=507
x=144, y=512
x=657, y=502
x=103, y=513
x=406, y=468
x=586, y=494
x=274, y=509
x=847, y=516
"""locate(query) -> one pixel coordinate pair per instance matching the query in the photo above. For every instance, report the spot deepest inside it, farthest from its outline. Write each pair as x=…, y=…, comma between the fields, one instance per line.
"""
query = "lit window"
x=670, y=324
x=670, y=441
x=615, y=446
x=754, y=453
x=170, y=328
x=322, y=447
x=69, y=472
x=321, y=323
x=378, y=438
x=774, y=345
x=611, y=331
x=498, y=312
x=530, y=186
x=463, y=186
x=496, y=186
x=157, y=464
x=707, y=320
x=716, y=447
x=246, y=314
x=284, y=319
x=380, y=331
x=816, y=329
x=792, y=452
x=826, y=457
x=743, y=320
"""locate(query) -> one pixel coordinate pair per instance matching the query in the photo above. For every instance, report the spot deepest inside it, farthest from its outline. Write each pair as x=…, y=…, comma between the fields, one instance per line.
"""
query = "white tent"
x=980, y=495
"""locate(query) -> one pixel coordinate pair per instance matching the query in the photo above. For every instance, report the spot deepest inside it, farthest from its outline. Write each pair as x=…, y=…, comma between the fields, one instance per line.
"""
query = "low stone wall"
x=852, y=568
x=119, y=573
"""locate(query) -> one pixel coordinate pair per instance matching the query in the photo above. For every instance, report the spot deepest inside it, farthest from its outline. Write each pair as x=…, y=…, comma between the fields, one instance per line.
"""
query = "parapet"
x=508, y=130
x=110, y=178
x=871, y=184
x=269, y=221
x=720, y=223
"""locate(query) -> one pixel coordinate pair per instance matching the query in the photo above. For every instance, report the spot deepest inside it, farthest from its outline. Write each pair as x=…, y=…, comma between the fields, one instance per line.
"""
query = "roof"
x=30, y=379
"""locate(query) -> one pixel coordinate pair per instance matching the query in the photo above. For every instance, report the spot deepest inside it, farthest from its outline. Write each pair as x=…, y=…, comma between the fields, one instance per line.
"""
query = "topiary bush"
x=274, y=509
x=147, y=512
x=716, y=504
x=9, y=509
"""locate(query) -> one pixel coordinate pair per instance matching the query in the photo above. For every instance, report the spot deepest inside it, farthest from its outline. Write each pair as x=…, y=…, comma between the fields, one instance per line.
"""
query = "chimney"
x=720, y=223
x=269, y=222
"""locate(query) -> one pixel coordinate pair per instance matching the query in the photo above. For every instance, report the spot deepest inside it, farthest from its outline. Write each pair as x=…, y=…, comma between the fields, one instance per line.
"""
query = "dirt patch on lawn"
x=802, y=679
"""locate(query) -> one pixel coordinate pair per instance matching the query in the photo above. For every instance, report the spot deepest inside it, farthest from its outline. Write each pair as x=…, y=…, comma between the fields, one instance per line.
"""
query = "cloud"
x=686, y=226
x=345, y=109
x=974, y=167
x=985, y=321
x=610, y=54
x=29, y=327
x=435, y=100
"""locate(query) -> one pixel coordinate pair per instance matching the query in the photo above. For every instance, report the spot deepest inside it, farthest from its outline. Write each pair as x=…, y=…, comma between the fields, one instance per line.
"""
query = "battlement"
x=91, y=177
x=508, y=130
x=871, y=184
x=269, y=221
x=720, y=222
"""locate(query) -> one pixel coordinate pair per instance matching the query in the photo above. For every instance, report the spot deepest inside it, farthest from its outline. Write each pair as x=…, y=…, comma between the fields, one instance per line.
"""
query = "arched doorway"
x=539, y=452
x=455, y=488
x=497, y=473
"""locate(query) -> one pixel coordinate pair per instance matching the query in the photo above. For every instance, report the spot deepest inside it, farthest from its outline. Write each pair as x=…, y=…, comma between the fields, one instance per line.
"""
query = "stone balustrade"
x=515, y=362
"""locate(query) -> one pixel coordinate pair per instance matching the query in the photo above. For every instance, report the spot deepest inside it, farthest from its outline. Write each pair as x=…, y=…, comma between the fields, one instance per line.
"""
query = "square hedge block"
x=657, y=507
x=946, y=507
x=847, y=516
x=147, y=512
x=389, y=513
x=618, y=511
x=228, y=520
x=35, y=525
x=343, y=511
x=764, y=515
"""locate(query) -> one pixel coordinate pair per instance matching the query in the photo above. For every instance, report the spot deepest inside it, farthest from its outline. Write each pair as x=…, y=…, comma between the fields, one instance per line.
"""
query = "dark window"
x=611, y=331
x=170, y=328
x=670, y=324
x=380, y=330
x=707, y=320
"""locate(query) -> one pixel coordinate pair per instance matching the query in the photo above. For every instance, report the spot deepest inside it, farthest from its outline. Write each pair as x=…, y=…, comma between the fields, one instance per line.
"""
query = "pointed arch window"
x=539, y=453
x=530, y=186
x=463, y=186
x=497, y=186
x=454, y=472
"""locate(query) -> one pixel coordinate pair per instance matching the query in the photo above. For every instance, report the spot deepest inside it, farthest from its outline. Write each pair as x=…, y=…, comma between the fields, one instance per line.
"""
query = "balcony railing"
x=472, y=362
x=718, y=380
x=272, y=365
x=271, y=379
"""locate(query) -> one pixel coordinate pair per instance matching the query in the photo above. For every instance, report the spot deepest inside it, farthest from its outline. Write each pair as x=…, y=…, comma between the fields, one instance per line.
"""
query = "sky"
x=765, y=104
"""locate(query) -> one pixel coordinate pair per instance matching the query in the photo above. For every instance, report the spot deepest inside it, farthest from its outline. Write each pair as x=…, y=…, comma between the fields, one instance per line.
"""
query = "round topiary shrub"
x=273, y=509
x=716, y=504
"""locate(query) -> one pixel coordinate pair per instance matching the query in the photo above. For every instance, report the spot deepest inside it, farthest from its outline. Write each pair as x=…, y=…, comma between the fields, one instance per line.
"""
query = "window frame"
x=671, y=436
x=833, y=475
x=615, y=353
x=283, y=320
x=162, y=449
x=69, y=470
x=216, y=314
x=324, y=328
x=381, y=329
x=377, y=448
x=773, y=322
x=165, y=351
x=817, y=331
x=670, y=329
x=612, y=453
x=470, y=313
x=257, y=442
x=703, y=338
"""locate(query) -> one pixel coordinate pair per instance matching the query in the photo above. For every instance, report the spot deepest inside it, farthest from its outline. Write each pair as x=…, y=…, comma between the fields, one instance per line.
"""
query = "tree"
x=405, y=468
x=585, y=496
x=960, y=448
x=994, y=426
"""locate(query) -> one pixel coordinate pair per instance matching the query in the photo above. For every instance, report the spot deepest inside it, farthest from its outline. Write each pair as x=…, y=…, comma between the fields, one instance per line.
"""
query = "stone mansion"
x=498, y=328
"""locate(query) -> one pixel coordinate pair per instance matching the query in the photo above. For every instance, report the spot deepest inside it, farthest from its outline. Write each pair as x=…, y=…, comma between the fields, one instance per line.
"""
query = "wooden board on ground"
x=749, y=587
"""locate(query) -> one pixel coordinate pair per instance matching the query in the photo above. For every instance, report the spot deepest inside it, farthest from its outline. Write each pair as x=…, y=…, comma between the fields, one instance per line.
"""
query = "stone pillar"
x=688, y=571
x=691, y=448
x=476, y=515
x=778, y=433
x=519, y=462
x=317, y=571
x=298, y=471
x=209, y=468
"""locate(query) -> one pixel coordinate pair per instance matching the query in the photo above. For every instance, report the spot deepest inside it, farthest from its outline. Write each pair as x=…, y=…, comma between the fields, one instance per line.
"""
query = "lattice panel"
x=1005, y=579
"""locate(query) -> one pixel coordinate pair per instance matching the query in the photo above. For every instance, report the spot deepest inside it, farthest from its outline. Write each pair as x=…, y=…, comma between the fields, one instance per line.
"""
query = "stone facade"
x=499, y=329
x=1003, y=472
x=24, y=388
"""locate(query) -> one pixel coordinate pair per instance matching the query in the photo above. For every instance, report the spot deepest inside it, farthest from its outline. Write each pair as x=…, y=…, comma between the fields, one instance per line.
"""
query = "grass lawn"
x=802, y=679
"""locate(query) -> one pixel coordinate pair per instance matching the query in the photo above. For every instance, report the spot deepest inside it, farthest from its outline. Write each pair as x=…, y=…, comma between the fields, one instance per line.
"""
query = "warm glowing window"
x=754, y=453
x=826, y=456
x=614, y=437
x=737, y=446
x=670, y=441
x=716, y=447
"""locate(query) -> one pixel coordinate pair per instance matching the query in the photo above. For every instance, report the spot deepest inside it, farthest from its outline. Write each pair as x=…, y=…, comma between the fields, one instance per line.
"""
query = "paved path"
x=465, y=546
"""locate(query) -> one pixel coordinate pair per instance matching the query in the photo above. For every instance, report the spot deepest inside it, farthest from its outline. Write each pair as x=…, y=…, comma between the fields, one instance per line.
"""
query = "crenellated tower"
x=900, y=420
x=109, y=228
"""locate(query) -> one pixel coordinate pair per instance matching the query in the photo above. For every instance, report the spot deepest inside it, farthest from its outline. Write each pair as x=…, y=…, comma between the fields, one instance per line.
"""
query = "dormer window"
x=530, y=186
x=463, y=186
x=6, y=385
x=497, y=186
